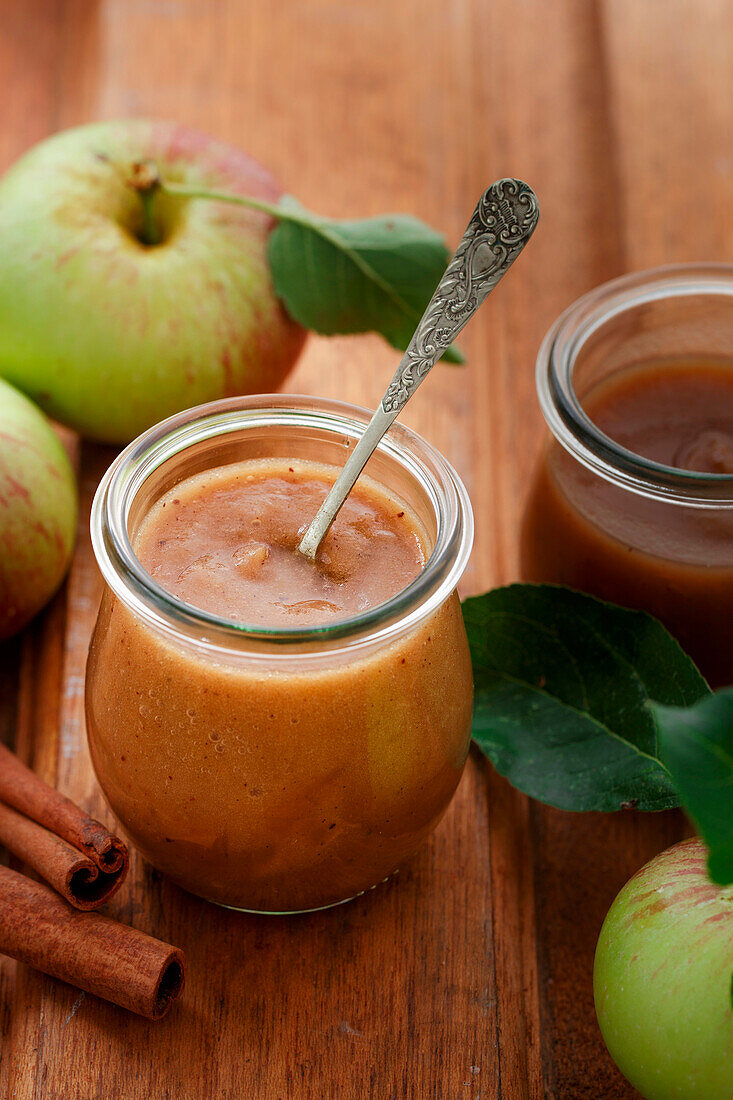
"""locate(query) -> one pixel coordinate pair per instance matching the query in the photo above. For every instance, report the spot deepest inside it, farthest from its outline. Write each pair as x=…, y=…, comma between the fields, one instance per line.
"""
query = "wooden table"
x=469, y=976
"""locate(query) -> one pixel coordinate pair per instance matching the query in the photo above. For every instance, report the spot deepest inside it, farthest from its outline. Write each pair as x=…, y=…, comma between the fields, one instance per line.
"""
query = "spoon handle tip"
x=505, y=218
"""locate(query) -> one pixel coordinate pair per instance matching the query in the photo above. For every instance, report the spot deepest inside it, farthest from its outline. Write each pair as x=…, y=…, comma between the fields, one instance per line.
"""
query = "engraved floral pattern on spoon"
x=504, y=219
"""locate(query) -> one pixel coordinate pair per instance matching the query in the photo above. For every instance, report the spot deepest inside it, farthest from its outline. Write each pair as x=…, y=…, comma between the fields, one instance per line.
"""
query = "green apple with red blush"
x=38, y=509
x=663, y=979
x=111, y=322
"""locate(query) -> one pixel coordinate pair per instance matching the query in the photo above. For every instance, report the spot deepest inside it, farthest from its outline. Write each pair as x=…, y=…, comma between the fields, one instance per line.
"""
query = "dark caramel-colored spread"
x=671, y=559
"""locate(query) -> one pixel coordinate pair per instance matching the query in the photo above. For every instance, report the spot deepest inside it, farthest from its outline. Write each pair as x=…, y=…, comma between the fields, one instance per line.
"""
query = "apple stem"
x=185, y=192
x=145, y=179
x=150, y=234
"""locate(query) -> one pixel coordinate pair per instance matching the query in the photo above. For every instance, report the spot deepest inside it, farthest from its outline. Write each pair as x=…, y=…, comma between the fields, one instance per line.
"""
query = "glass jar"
x=607, y=521
x=278, y=770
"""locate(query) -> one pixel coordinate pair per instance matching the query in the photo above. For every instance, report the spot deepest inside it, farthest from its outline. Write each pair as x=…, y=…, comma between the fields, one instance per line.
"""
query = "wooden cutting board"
x=469, y=976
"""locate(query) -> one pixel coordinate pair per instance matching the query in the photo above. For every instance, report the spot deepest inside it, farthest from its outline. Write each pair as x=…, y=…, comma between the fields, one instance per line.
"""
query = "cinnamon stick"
x=87, y=950
x=24, y=791
x=73, y=874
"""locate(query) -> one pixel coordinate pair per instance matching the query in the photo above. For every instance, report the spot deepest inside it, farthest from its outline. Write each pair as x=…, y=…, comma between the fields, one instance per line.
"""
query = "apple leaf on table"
x=374, y=274
x=696, y=746
x=563, y=684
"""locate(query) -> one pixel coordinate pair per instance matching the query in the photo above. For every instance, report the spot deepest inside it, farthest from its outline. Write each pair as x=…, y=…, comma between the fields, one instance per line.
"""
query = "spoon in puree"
x=504, y=219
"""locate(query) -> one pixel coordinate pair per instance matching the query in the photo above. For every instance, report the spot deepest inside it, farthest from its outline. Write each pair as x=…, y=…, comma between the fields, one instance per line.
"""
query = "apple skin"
x=109, y=335
x=662, y=979
x=38, y=509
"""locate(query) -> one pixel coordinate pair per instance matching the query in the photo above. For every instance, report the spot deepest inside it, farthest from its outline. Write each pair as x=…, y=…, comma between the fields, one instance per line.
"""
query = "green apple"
x=662, y=980
x=38, y=505
x=110, y=334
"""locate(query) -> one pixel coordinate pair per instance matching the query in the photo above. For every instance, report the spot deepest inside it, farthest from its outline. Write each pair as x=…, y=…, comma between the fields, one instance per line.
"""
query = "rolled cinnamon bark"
x=87, y=950
x=24, y=791
x=73, y=874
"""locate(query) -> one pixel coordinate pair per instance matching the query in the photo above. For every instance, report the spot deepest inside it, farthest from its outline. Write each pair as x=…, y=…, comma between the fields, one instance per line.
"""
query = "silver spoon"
x=502, y=223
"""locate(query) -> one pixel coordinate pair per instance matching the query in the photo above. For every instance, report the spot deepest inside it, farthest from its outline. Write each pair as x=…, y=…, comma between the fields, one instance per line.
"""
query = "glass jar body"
x=285, y=790
x=634, y=552
x=278, y=771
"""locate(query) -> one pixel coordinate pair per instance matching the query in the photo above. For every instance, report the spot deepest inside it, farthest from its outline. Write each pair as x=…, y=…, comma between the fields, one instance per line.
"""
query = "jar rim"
x=561, y=407
x=132, y=584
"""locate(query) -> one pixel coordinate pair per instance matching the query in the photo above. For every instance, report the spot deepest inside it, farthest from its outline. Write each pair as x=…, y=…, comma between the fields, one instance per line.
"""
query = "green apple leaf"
x=562, y=687
x=374, y=274
x=696, y=746
x=341, y=277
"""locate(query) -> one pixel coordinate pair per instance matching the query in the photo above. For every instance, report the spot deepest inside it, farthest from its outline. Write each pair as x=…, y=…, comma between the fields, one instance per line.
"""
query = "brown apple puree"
x=225, y=541
x=673, y=560
x=268, y=786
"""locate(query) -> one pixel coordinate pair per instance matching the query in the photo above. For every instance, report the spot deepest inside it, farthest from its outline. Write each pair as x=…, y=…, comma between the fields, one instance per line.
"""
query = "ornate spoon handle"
x=503, y=221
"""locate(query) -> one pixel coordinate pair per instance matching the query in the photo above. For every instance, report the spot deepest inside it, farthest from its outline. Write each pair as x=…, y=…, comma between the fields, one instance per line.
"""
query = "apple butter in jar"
x=633, y=497
x=277, y=734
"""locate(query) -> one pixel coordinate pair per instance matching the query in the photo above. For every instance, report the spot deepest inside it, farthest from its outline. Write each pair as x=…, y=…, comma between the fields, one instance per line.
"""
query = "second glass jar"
x=610, y=522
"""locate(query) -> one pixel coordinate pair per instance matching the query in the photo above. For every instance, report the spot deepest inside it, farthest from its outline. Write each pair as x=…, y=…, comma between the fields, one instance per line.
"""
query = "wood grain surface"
x=470, y=975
